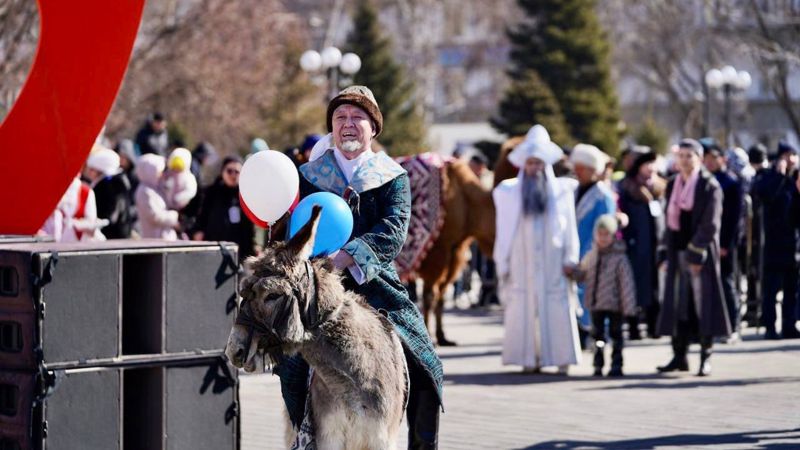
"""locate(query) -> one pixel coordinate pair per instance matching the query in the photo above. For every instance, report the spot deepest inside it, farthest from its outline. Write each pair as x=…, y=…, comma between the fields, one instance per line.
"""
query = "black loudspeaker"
x=58, y=308
x=68, y=411
x=85, y=305
x=189, y=406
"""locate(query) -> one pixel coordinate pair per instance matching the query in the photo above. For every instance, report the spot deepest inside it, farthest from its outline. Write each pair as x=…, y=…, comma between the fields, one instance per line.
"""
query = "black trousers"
x=422, y=413
x=728, y=272
x=779, y=279
x=599, y=335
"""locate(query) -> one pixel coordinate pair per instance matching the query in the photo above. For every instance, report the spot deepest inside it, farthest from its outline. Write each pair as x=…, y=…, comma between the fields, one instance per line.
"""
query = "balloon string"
x=269, y=234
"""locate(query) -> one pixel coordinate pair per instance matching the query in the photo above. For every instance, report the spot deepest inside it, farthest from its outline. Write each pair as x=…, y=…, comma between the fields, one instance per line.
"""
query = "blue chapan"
x=381, y=214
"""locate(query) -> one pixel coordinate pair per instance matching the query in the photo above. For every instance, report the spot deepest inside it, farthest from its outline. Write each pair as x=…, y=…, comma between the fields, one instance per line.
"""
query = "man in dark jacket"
x=778, y=200
x=152, y=137
x=714, y=161
x=694, y=305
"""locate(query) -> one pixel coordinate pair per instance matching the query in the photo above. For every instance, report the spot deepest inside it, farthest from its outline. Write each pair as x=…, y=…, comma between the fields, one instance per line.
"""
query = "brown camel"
x=469, y=216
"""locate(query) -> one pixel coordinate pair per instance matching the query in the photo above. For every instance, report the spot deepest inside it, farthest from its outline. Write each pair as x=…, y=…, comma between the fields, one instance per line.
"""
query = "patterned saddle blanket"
x=425, y=173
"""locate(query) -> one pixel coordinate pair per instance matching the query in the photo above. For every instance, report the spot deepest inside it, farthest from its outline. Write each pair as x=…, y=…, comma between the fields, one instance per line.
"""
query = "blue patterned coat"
x=381, y=204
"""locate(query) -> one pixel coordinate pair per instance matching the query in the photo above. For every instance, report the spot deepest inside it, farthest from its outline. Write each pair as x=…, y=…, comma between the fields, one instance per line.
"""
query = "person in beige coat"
x=155, y=220
x=609, y=291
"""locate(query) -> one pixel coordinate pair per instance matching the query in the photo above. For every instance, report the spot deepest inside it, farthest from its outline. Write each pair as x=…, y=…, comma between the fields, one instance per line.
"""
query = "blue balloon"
x=335, y=222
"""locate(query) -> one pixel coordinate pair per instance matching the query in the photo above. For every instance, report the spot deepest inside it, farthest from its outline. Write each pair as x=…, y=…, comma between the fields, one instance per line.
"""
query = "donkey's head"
x=279, y=300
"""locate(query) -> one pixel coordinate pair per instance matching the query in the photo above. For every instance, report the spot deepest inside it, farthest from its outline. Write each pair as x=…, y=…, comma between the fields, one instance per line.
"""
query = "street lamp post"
x=333, y=64
x=728, y=79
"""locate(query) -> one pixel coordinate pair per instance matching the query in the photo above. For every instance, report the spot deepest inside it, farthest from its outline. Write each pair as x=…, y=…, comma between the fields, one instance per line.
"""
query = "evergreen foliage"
x=403, y=125
x=562, y=41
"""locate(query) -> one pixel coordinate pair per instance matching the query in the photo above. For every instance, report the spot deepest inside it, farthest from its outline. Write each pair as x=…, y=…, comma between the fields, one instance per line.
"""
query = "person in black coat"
x=694, y=305
x=221, y=216
x=112, y=192
x=732, y=202
x=641, y=194
x=152, y=137
x=776, y=194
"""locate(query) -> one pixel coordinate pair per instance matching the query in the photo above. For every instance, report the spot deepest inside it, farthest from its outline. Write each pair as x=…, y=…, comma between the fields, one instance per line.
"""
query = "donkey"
x=291, y=304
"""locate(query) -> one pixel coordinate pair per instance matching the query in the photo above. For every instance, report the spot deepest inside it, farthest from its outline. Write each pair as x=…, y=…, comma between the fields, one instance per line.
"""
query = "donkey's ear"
x=302, y=244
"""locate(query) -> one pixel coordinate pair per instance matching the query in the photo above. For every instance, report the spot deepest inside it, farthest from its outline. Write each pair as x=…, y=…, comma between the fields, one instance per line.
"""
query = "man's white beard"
x=351, y=146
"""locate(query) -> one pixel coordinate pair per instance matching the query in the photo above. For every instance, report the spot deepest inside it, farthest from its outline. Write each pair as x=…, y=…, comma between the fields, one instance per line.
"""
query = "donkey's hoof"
x=443, y=342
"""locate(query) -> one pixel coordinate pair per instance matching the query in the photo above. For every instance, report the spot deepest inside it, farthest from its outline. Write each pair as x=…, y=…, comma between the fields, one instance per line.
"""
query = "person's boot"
x=599, y=357
x=423, y=420
x=616, y=360
x=705, y=356
x=790, y=331
x=633, y=329
x=678, y=363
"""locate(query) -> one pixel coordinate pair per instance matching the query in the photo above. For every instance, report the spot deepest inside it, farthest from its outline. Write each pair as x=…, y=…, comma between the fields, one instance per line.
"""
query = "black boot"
x=633, y=329
x=422, y=413
x=705, y=356
x=599, y=357
x=679, y=362
x=616, y=359
x=423, y=420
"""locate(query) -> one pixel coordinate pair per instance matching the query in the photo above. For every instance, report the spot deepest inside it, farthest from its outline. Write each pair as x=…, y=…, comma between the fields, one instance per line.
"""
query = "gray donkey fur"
x=359, y=387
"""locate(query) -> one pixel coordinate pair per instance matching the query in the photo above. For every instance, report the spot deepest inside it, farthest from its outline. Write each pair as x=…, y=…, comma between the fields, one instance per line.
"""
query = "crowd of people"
x=151, y=187
x=689, y=246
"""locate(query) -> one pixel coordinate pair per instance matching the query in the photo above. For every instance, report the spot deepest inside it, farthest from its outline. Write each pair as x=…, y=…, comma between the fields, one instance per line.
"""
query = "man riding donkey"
x=377, y=190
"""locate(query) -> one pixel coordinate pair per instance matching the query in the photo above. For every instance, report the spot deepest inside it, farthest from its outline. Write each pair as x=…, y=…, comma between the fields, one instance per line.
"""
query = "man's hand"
x=343, y=260
x=198, y=236
x=723, y=252
x=695, y=269
x=568, y=270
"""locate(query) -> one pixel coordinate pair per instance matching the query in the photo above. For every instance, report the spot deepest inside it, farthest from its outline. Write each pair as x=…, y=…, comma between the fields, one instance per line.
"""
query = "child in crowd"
x=178, y=185
x=610, y=292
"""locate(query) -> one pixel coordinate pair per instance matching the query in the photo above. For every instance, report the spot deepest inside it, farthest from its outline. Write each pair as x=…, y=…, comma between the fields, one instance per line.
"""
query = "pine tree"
x=403, y=126
x=563, y=42
x=529, y=101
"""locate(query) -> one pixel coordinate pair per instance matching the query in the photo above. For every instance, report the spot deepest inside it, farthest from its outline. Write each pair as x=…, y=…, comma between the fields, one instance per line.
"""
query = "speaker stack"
x=117, y=344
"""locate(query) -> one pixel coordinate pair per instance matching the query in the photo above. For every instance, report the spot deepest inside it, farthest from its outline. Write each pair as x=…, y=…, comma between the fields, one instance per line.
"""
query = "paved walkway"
x=752, y=400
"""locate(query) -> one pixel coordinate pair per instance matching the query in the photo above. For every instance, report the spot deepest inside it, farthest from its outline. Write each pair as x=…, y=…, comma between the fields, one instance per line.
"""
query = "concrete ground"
x=751, y=401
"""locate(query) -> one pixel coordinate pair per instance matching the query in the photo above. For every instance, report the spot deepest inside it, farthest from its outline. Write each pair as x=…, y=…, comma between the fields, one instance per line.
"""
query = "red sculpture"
x=84, y=48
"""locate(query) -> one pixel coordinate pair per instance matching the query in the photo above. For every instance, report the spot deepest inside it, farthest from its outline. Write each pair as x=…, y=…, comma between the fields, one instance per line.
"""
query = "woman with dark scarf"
x=641, y=194
x=221, y=217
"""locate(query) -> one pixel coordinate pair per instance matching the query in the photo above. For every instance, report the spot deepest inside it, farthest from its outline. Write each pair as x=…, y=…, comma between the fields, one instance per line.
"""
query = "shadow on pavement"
x=670, y=384
x=775, y=348
x=766, y=440
x=456, y=355
x=519, y=378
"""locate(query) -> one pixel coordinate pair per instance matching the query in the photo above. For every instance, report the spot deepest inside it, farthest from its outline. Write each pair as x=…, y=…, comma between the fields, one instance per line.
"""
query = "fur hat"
x=537, y=144
x=103, y=160
x=359, y=96
x=589, y=156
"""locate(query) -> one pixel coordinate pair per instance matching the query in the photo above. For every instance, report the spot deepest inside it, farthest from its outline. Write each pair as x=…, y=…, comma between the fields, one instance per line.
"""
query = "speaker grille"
x=9, y=395
x=10, y=337
x=9, y=281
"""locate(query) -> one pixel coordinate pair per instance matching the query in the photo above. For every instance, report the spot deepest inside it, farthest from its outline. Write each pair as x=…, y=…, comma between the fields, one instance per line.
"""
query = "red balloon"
x=44, y=140
x=253, y=218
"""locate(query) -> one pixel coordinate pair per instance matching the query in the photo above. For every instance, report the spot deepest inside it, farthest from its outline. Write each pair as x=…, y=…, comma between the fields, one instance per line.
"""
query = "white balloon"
x=269, y=184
